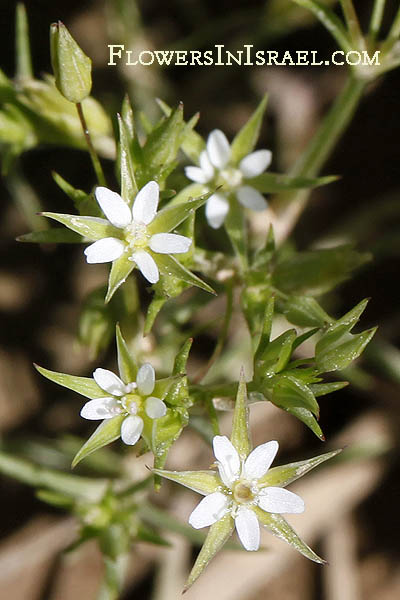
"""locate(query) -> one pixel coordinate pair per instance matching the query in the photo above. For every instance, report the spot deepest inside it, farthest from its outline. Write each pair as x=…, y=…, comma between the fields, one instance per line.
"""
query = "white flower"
x=129, y=399
x=214, y=164
x=136, y=237
x=242, y=490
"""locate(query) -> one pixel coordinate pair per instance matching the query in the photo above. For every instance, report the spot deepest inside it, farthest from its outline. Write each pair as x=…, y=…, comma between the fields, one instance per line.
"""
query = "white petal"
x=205, y=164
x=218, y=149
x=251, y=198
x=109, y=382
x=145, y=204
x=278, y=500
x=260, y=459
x=131, y=429
x=146, y=265
x=100, y=408
x=155, y=408
x=196, y=174
x=169, y=243
x=116, y=210
x=255, y=163
x=211, y=509
x=105, y=250
x=145, y=379
x=248, y=528
x=228, y=459
x=217, y=207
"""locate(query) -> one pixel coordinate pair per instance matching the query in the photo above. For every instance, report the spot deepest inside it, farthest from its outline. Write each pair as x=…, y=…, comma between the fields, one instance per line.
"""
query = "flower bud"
x=72, y=68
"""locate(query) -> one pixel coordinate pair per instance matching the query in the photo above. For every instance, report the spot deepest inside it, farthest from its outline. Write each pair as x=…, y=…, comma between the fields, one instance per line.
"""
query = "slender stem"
x=393, y=35
x=222, y=335
x=93, y=155
x=290, y=207
x=352, y=22
x=376, y=19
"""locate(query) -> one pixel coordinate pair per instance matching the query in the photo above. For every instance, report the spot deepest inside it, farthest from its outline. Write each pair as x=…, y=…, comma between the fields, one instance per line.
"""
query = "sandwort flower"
x=130, y=399
x=136, y=239
x=215, y=167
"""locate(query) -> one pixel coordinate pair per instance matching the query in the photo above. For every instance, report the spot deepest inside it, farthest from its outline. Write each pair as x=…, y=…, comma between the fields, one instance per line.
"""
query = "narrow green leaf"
x=171, y=216
x=216, y=538
x=266, y=329
x=51, y=236
x=286, y=474
x=86, y=386
x=154, y=308
x=169, y=266
x=162, y=144
x=128, y=181
x=92, y=228
x=182, y=358
x=126, y=365
x=321, y=389
x=279, y=527
x=120, y=271
x=193, y=190
x=240, y=437
x=108, y=431
x=352, y=317
x=306, y=417
x=84, y=203
x=305, y=312
x=288, y=392
x=145, y=534
x=276, y=354
x=340, y=354
x=246, y=139
x=202, y=482
x=273, y=183
x=22, y=47
x=192, y=142
x=304, y=337
x=315, y=272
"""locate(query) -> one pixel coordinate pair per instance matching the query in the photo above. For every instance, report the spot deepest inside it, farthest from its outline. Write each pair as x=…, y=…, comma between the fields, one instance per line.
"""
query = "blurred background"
x=352, y=507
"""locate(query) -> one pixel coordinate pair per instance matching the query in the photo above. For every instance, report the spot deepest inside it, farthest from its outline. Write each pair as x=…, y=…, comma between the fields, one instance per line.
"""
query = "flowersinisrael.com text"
x=246, y=57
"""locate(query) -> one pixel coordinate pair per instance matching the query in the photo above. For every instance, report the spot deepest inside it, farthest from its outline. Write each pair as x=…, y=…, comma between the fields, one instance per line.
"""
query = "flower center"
x=242, y=493
x=136, y=235
x=231, y=177
x=131, y=403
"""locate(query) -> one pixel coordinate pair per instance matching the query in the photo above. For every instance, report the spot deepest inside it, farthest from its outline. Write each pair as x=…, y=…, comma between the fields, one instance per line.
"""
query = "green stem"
x=290, y=207
x=352, y=22
x=393, y=35
x=376, y=19
x=93, y=155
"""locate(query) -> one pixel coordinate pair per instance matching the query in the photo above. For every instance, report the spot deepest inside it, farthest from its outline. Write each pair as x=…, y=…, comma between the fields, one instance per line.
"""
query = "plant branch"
x=376, y=19
x=352, y=22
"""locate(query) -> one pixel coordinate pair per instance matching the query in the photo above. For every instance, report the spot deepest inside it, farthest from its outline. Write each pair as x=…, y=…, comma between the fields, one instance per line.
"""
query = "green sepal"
x=286, y=474
x=217, y=536
x=23, y=57
x=127, y=174
x=169, y=266
x=108, y=431
x=288, y=393
x=162, y=386
x=86, y=386
x=120, y=271
x=305, y=312
x=202, y=482
x=92, y=228
x=165, y=432
x=192, y=143
x=51, y=236
x=315, y=272
x=279, y=527
x=273, y=183
x=246, y=139
x=171, y=216
x=126, y=365
x=84, y=203
x=240, y=436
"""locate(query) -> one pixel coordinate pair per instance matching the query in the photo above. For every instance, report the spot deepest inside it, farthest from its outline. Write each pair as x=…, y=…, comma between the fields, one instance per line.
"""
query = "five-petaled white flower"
x=242, y=489
x=215, y=166
x=136, y=238
x=130, y=399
